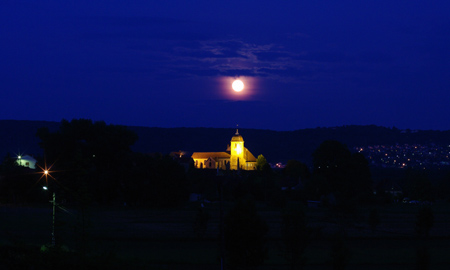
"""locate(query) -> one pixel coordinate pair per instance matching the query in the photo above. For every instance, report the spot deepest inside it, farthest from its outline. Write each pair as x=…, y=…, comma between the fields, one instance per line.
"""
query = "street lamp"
x=46, y=174
x=53, y=201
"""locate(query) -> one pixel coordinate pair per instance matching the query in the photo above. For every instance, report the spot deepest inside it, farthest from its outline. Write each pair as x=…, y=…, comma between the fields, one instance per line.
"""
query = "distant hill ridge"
x=19, y=137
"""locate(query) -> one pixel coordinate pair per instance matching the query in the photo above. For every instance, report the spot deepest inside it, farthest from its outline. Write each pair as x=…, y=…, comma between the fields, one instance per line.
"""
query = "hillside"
x=276, y=146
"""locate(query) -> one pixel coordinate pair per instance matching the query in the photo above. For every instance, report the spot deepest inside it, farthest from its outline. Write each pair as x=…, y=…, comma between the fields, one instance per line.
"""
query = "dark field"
x=164, y=239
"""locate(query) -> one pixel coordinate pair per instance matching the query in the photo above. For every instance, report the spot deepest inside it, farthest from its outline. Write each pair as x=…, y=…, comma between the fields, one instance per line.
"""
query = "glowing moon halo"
x=237, y=85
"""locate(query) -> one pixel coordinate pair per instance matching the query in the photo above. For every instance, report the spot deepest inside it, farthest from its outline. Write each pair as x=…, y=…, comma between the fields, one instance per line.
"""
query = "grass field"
x=164, y=239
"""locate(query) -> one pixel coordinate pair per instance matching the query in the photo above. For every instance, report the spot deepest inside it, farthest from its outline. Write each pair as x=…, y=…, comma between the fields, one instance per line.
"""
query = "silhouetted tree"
x=347, y=175
x=90, y=152
x=296, y=170
x=331, y=156
x=360, y=178
x=9, y=165
x=260, y=162
x=245, y=234
x=17, y=183
x=167, y=183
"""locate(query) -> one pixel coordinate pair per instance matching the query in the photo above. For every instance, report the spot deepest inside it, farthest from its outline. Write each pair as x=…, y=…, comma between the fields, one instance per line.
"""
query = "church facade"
x=235, y=157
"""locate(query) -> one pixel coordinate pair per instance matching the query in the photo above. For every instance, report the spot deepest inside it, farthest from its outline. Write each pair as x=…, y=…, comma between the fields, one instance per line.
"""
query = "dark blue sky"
x=171, y=63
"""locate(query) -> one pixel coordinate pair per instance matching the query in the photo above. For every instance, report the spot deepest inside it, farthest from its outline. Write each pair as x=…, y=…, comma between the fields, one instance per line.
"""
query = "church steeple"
x=237, y=151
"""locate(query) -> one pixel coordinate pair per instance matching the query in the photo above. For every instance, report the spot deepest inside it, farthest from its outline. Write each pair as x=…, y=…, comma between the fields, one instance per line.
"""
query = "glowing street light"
x=46, y=174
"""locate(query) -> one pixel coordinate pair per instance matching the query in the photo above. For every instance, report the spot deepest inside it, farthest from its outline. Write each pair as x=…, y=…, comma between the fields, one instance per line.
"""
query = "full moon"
x=238, y=85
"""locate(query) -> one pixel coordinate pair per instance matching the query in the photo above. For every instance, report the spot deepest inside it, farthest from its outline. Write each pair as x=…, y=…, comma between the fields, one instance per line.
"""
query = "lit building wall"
x=237, y=156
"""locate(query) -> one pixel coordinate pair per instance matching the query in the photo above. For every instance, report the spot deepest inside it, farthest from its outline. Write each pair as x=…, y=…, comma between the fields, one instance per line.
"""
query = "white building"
x=26, y=161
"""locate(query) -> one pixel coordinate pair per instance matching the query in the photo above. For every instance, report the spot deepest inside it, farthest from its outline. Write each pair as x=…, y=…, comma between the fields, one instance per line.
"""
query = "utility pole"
x=45, y=174
x=53, y=224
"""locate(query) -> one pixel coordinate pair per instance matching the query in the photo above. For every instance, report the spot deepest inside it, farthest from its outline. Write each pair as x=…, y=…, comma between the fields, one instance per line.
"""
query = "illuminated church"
x=236, y=156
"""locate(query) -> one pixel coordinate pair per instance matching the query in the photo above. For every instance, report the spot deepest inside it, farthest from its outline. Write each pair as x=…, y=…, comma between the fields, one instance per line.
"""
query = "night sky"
x=304, y=64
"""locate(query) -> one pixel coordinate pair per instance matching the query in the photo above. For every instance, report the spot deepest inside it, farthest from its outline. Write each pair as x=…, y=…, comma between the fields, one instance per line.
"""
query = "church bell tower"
x=237, y=152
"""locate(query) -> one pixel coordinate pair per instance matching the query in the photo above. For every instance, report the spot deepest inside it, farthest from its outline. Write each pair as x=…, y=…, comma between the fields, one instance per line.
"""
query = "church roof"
x=29, y=158
x=237, y=137
x=206, y=155
x=249, y=156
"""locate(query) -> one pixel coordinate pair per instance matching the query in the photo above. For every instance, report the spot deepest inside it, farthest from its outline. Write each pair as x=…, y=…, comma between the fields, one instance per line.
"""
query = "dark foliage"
x=18, y=184
x=157, y=181
x=93, y=162
x=89, y=155
x=275, y=145
x=341, y=173
x=296, y=170
x=261, y=162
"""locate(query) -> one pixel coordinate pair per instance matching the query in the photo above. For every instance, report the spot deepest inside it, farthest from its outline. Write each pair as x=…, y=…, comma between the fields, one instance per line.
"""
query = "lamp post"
x=53, y=221
x=53, y=201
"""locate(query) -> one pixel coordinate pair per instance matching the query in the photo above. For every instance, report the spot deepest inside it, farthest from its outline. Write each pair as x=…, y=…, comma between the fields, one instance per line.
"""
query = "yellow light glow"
x=46, y=172
x=238, y=149
x=237, y=85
